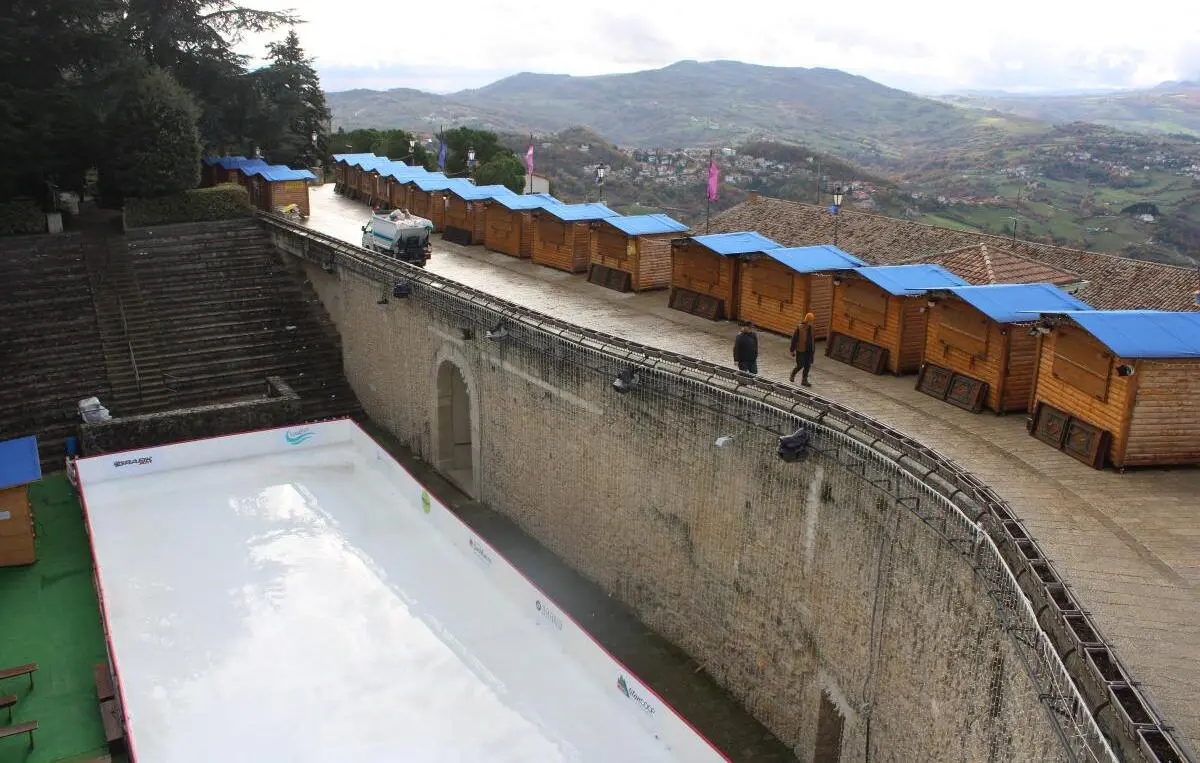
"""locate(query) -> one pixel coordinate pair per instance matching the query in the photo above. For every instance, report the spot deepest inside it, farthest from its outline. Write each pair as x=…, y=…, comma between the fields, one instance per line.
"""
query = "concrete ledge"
x=280, y=407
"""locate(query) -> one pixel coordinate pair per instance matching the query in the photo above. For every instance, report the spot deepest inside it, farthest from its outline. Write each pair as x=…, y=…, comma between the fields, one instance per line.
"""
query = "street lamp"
x=837, y=205
x=601, y=171
x=471, y=162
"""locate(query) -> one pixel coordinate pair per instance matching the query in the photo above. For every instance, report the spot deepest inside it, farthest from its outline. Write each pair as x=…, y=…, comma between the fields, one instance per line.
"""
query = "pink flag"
x=713, y=178
x=529, y=156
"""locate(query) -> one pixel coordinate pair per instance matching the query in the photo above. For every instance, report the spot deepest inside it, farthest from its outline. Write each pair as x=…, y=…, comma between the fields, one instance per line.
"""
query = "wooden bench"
x=111, y=717
x=6, y=703
x=20, y=728
x=24, y=670
x=104, y=684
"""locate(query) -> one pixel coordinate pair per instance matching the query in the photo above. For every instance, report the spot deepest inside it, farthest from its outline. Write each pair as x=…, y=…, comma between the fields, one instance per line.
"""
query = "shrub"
x=21, y=217
x=154, y=139
x=221, y=202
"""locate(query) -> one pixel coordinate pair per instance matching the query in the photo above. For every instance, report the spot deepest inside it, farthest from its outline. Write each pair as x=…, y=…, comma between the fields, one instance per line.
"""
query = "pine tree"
x=295, y=108
x=155, y=145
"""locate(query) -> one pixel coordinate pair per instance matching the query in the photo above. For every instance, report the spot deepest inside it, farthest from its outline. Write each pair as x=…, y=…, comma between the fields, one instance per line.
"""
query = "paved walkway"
x=1128, y=544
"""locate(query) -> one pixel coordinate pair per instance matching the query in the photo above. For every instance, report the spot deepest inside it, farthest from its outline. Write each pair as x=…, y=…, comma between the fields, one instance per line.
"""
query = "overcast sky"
x=920, y=45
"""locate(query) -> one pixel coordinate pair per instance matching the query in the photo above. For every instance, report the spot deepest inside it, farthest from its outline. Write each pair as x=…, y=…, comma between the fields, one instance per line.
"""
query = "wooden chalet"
x=465, y=212
x=427, y=197
x=508, y=225
x=341, y=169
x=562, y=236
x=704, y=271
x=1119, y=387
x=364, y=174
x=979, y=351
x=633, y=253
x=272, y=188
x=399, y=185
x=237, y=171
x=878, y=319
x=776, y=287
x=211, y=172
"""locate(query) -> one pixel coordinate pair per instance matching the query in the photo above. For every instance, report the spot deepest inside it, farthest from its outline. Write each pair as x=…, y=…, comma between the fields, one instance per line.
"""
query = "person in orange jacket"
x=803, y=349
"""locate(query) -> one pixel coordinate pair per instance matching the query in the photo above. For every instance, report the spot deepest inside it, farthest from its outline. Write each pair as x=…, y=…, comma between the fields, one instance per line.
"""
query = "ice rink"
x=295, y=595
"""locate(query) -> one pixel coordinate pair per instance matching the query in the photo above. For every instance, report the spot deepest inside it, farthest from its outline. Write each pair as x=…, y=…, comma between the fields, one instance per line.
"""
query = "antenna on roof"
x=1016, y=215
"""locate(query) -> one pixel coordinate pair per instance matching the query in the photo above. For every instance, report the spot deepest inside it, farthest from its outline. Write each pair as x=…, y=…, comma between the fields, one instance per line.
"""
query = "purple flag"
x=713, y=178
x=529, y=156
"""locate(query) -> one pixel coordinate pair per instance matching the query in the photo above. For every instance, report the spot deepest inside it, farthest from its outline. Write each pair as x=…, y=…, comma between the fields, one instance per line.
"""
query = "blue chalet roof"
x=402, y=171
x=481, y=192
x=577, y=213
x=527, y=201
x=418, y=176
x=239, y=162
x=436, y=181
x=814, y=259
x=1015, y=302
x=910, y=280
x=1142, y=333
x=278, y=172
x=369, y=162
x=349, y=157
x=645, y=225
x=19, y=463
x=211, y=160
x=730, y=244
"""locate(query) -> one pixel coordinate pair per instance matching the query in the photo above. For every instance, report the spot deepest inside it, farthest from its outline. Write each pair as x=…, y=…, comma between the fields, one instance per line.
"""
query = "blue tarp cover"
x=239, y=162
x=480, y=192
x=730, y=244
x=1011, y=302
x=814, y=259
x=646, y=225
x=527, y=201
x=1143, y=333
x=348, y=157
x=576, y=213
x=436, y=181
x=279, y=172
x=402, y=171
x=910, y=280
x=19, y=462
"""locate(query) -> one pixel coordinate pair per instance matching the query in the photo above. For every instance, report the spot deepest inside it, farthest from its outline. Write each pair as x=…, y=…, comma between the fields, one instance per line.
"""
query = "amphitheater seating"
x=207, y=312
x=49, y=346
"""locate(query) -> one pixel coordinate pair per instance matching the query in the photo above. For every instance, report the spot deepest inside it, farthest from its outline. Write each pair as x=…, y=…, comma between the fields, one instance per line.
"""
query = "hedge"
x=221, y=202
x=21, y=217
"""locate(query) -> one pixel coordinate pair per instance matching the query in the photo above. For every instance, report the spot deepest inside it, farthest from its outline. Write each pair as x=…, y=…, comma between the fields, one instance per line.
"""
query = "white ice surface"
x=296, y=608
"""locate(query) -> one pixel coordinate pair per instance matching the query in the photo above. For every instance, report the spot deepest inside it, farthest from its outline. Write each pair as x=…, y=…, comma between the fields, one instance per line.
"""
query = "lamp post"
x=471, y=163
x=601, y=171
x=837, y=205
x=412, y=148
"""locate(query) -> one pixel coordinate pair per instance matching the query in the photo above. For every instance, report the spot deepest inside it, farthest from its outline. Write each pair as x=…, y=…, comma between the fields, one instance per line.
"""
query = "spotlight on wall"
x=793, y=447
x=1124, y=370
x=724, y=440
x=625, y=381
x=837, y=280
x=401, y=290
x=498, y=332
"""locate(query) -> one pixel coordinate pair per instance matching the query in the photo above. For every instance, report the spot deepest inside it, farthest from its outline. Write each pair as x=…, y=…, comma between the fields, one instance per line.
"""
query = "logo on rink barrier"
x=425, y=503
x=134, y=462
x=633, y=694
x=549, y=614
x=297, y=436
x=480, y=550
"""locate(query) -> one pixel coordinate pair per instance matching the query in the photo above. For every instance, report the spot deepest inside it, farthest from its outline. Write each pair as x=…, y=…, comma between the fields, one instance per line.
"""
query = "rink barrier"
x=622, y=686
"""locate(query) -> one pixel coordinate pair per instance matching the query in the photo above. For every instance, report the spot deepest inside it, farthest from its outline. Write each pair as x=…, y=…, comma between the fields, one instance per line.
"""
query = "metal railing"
x=946, y=497
x=137, y=377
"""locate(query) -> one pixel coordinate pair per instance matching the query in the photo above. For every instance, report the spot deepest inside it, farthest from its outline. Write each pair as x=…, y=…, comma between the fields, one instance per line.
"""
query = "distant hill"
x=692, y=103
x=1170, y=108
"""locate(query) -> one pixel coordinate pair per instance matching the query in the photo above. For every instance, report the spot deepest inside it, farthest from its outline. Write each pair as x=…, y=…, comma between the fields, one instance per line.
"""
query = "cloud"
x=925, y=45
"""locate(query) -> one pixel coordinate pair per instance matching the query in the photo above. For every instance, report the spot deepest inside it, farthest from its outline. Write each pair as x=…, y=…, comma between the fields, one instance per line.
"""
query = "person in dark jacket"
x=802, y=349
x=745, y=349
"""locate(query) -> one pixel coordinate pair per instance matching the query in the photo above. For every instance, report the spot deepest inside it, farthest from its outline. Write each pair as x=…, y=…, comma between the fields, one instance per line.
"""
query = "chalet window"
x=773, y=283
x=554, y=232
x=1081, y=361
x=866, y=302
x=963, y=329
x=701, y=268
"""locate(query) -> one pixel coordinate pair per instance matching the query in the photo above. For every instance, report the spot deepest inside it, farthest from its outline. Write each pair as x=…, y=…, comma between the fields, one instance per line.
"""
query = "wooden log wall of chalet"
x=633, y=253
x=421, y=197
x=878, y=319
x=400, y=186
x=1119, y=387
x=777, y=287
x=464, y=222
x=563, y=235
x=508, y=225
x=439, y=201
x=979, y=350
x=341, y=169
x=237, y=171
x=705, y=271
x=275, y=187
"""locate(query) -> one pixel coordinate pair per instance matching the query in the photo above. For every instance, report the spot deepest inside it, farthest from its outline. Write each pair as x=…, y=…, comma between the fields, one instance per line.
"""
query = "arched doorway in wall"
x=455, y=448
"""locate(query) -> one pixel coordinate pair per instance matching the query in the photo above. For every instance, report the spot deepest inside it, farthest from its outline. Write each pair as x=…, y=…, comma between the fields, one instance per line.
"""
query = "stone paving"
x=1127, y=544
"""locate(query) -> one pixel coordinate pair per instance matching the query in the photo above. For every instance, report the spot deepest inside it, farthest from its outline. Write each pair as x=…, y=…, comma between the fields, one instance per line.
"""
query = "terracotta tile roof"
x=1112, y=282
x=983, y=264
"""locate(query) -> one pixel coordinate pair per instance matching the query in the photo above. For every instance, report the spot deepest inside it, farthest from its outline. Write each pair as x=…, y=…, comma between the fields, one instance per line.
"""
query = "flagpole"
x=707, y=195
x=529, y=161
